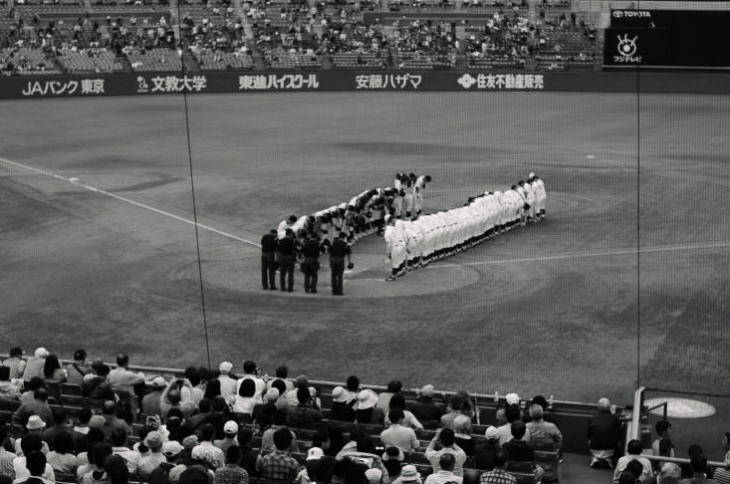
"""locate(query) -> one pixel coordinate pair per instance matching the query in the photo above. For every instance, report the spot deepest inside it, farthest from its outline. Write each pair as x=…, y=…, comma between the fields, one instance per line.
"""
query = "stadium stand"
x=89, y=60
x=183, y=407
x=159, y=59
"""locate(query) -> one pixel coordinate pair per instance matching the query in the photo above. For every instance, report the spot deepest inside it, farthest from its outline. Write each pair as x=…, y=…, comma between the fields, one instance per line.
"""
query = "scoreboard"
x=668, y=38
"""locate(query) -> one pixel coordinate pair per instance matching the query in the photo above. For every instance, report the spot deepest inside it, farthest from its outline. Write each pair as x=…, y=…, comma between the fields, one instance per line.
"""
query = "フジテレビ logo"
x=627, y=48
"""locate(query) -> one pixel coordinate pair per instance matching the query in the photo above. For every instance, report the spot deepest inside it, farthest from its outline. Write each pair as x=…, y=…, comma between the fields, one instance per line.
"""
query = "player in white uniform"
x=408, y=203
x=414, y=244
x=540, y=195
x=395, y=247
x=418, y=187
x=285, y=224
x=398, y=196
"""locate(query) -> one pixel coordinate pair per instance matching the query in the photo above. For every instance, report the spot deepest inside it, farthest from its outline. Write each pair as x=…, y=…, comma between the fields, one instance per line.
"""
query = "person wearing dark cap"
x=268, y=260
x=286, y=252
x=339, y=250
x=310, y=266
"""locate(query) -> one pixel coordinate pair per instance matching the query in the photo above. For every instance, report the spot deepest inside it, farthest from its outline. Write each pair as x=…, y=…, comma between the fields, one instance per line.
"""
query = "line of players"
x=362, y=215
x=411, y=244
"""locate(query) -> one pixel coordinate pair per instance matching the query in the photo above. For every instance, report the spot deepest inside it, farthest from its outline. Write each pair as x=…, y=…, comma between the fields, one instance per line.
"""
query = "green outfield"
x=550, y=308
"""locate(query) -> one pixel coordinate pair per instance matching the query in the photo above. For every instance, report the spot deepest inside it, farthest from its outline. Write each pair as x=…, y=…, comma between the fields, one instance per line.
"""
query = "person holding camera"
x=444, y=442
x=339, y=250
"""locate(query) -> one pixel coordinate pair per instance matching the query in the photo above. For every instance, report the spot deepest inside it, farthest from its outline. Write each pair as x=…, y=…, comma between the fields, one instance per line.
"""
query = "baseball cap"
x=315, y=453
x=153, y=439
x=339, y=394
x=171, y=448
x=231, y=427
x=512, y=399
x=427, y=390
x=225, y=367
x=491, y=433
x=190, y=441
x=35, y=423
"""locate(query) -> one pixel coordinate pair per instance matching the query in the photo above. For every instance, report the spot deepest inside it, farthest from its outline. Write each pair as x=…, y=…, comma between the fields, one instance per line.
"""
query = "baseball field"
x=99, y=251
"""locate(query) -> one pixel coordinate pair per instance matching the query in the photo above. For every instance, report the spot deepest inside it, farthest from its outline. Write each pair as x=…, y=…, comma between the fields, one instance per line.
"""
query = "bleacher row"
x=72, y=401
x=135, y=36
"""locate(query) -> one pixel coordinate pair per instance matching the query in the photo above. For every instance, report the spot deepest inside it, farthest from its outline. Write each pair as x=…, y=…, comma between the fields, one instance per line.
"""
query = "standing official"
x=286, y=252
x=310, y=265
x=339, y=250
x=268, y=260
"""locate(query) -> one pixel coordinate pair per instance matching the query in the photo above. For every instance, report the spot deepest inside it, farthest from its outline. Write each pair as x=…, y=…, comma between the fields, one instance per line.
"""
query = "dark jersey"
x=268, y=244
x=310, y=248
x=286, y=246
x=339, y=248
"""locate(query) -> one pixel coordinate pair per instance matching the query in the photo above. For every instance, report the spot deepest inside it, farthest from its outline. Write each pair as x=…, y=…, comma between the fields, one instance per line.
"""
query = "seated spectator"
x=78, y=368
x=94, y=438
x=172, y=397
x=247, y=395
x=81, y=429
x=485, y=452
x=444, y=443
x=408, y=475
x=123, y=383
x=280, y=374
x=424, y=409
x=227, y=382
x=632, y=473
x=151, y=460
x=692, y=450
x=604, y=433
x=9, y=391
x=279, y=464
x=250, y=459
x=16, y=363
x=111, y=420
x=394, y=387
x=397, y=435
x=151, y=401
x=511, y=414
x=519, y=449
x=409, y=420
x=361, y=447
x=35, y=470
x=670, y=473
x=231, y=473
x=498, y=475
x=209, y=452
x=212, y=389
x=722, y=474
x=662, y=445
x=304, y=413
x=172, y=450
x=230, y=431
x=348, y=471
x=392, y=460
x=95, y=386
x=263, y=415
x=61, y=458
x=699, y=471
x=6, y=456
x=462, y=434
x=34, y=364
x=341, y=409
x=445, y=473
x=542, y=432
x=60, y=424
x=119, y=447
x=365, y=410
x=459, y=404
x=36, y=383
x=30, y=444
x=116, y=470
x=352, y=386
x=37, y=407
x=267, y=439
x=633, y=452
x=53, y=372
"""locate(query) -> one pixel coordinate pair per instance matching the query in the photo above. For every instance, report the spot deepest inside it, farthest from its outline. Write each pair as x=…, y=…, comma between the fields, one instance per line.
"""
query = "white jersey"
x=281, y=230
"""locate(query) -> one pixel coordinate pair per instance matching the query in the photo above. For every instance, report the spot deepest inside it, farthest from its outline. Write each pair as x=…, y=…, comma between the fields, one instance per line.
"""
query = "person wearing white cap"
x=34, y=364
x=408, y=475
x=228, y=384
x=210, y=453
x=484, y=452
x=230, y=430
x=374, y=476
x=149, y=462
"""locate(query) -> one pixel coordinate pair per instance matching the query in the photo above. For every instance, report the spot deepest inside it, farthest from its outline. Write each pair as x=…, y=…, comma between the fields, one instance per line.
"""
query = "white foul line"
x=73, y=181
x=660, y=248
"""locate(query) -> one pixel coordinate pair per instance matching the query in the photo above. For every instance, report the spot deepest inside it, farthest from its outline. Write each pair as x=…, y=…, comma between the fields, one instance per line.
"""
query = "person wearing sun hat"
x=409, y=475
x=154, y=458
x=340, y=409
x=366, y=410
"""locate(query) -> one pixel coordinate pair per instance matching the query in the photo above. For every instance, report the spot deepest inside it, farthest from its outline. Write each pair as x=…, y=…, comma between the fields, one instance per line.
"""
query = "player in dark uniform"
x=286, y=252
x=339, y=250
x=310, y=265
x=268, y=260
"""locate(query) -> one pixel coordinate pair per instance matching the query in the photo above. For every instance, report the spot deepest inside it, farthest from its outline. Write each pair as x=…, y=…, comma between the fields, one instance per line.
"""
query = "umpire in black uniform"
x=268, y=260
x=339, y=250
x=310, y=266
x=286, y=251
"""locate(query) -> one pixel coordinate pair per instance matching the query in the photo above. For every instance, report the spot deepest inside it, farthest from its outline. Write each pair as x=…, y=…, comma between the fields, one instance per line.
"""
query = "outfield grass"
x=550, y=308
